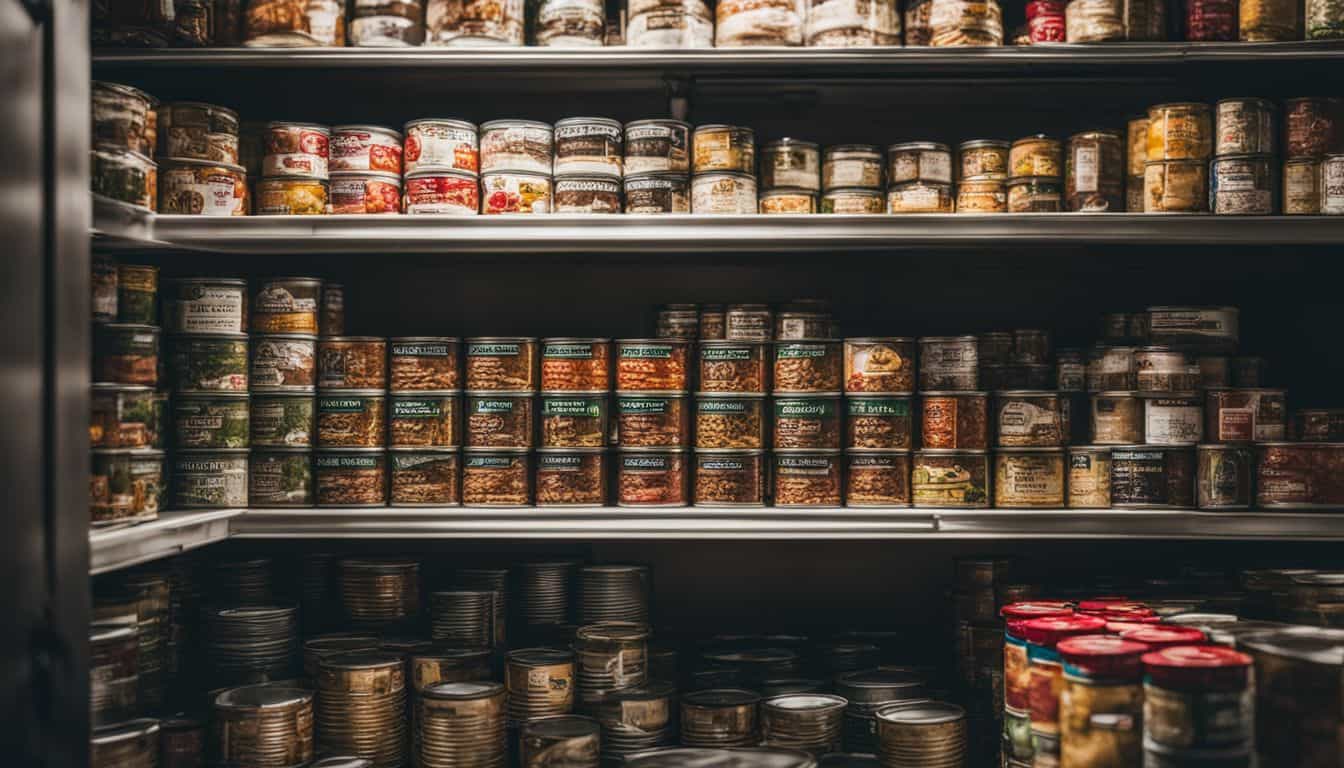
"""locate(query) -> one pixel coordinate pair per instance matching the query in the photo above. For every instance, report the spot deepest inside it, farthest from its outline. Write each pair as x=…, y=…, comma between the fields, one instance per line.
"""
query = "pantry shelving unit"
x=173, y=533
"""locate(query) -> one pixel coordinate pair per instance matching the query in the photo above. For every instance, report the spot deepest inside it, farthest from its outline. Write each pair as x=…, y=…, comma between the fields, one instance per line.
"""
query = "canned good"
x=807, y=478
x=1179, y=131
x=126, y=485
x=422, y=420
x=1245, y=415
x=877, y=478
x=352, y=362
x=1151, y=477
x=851, y=166
x=1208, y=328
x=734, y=478
x=791, y=163
x=441, y=145
x=1175, y=419
x=365, y=192
x=1302, y=186
x=1093, y=171
x=657, y=146
x=712, y=323
x=1299, y=476
x=723, y=193
x=283, y=362
x=663, y=192
x=1332, y=185
x=963, y=22
x=424, y=477
x=748, y=322
x=1243, y=185
x=351, y=477
x=274, y=24
x=787, y=200
x=921, y=733
x=438, y=192
x=206, y=306
x=1325, y=20
x=1176, y=186
x=210, y=479
x=1117, y=418
x=210, y=421
x=1314, y=425
x=983, y=196
x=811, y=422
x=457, y=723
x=721, y=717
x=1102, y=684
x=1070, y=371
x=123, y=416
x=126, y=354
x=652, y=478
x=293, y=196
x=880, y=422
x=587, y=146
x=919, y=161
x=365, y=148
x=133, y=744
x=1197, y=697
x=1312, y=126
x=493, y=419
x=920, y=197
x=501, y=364
x=353, y=418
x=1269, y=21
x=1163, y=369
x=283, y=420
x=684, y=25
x=651, y=365
x=1211, y=20
x=197, y=131
x=575, y=420
x=1031, y=419
x=1223, y=479
x=198, y=188
x=957, y=420
x=746, y=24
x=1037, y=155
x=209, y=363
x=1046, y=674
x=515, y=192
x=724, y=148
x=1245, y=126
x=587, y=194
x=280, y=478
x=850, y=201
x=517, y=146
x=1089, y=477
x=732, y=366
x=807, y=366
x=1030, y=478
x=728, y=421
x=1094, y=21
x=948, y=363
x=1035, y=195
x=423, y=363
x=297, y=149
x=950, y=478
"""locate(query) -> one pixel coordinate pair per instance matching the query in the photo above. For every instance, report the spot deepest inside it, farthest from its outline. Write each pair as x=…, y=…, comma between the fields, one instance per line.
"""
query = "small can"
x=201, y=188
x=1173, y=419
x=877, y=478
x=441, y=145
x=424, y=477
x=1094, y=177
x=1094, y=21
x=794, y=324
x=352, y=362
x=297, y=149
x=524, y=146
x=1243, y=185
x=1046, y=21
x=286, y=305
x=1211, y=20
x=954, y=420
x=678, y=321
x=984, y=159
x=211, y=421
x=422, y=420
x=808, y=479
x=1179, y=131
x=919, y=161
x=729, y=478
x=1312, y=126
x=791, y=163
x=493, y=419
x=1299, y=476
x=807, y=422
x=1111, y=368
x=646, y=420
x=350, y=477
x=1211, y=329
x=879, y=364
x=1163, y=369
x=365, y=148
x=982, y=196
x=293, y=196
x=1089, y=477
x=574, y=420
x=723, y=148
x=280, y=477
x=1117, y=418
x=191, y=129
x=589, y=146
x=209, y=363
x=500, y=477
x=807, y=366
x=851, y=166
x=126, y=486
x=879, y=422
x=287, y=420
x=729, y=421
x=787, y=200
x=570, y=477
x=723, y=193
x=352, y=418
x=1136, y=153
x=1037, y=155
x=365, y=192
x=653, y=146
x=435, y=192
x=1245, y=126
x=748, y=322
x=1031, y=419
x=733, y=366
x=1037, y=194
x=1029, y=478
x=1223, y=479
x=852, y=201
x=659, y=192
x=587, y=194
x=1176, y=186
x=1302, y=186
x=920, y=197
x=214, y=479
x=1152, y=477
x=1245, y=415
x=712, y=322
x=948, y=363
x=515, y=192
x=1196, y=698
x=950, y=479
x=652, y=478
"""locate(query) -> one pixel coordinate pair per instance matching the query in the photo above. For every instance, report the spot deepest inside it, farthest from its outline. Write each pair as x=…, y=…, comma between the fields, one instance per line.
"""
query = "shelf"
x=120, y=225
x=173, y=533
x=684, y=233
x=591, y=523
x=793, y=63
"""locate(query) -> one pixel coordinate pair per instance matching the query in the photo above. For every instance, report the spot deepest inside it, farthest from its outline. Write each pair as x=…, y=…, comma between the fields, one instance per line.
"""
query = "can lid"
x=789, y=142
x=921, y=713
x=1198, y=667
x=979, y=143
x=1159, y=637
x=511, y=123
x=906, y=146
x=1050, y=630
x=463, y=691
x=261, y=697
x=805, y=702
x=1102, y=656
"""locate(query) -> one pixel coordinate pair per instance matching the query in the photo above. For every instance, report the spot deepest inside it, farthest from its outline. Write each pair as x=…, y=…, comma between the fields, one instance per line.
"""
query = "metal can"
x=787, y=200
x=441, y=145
x=851, y=166
x=921, y=733
x=1223, y=479
x=1089, y=481
x=1136, y=146
x=1031, y=419
x=1094, y=179
x=729, y=478
x=209, y=363
x=965, y=22
x=1325, y=20
x=1245, y=415
x=286, y=305
x=189, y=129
x=1211, y=20
x=297, y=149
x=948, y=363
x=365, y=148
x=1152, y=477
x=1094, y=21
x=209, y=479
x=131, y=744
x=1243, y=185
x=853, y=201
x=1046, y=21
x=283, y=420
x=292, y=196
x=1302, y=186
x=365, y=192
x=983, y=196
x=983, y=159
x=1117, y=418
x=1315, y=425
x=920, y=197
x=685, y=25
x=1245, y=126
x=808, y=478
x=791, y=163
x=540, y=683
x=723, y=193
x=201, y=188
x=1029, y=478
x=1163, y=369
x=1176, y=186
x=1102, y=684
x=877, y=478
x=1179, y=131
x=1111, y=369
x=218, y=420
x=589, y=146
x=1037, y=194
x=436, y=192
x=587, y=194
x=724, y=148
x=520, y=146
x=1312, y=126
x=654, y=146
x=1205, y=328
x=955, y=420
x=1299, y=476
x=950, y=479
x=1173, y=419
x=779, y=22
x=280, y=478
x=919, y=161
x=350, y=477
x=1197, y=697
x=515, y=192
x=660, y=192
x=1036, y=155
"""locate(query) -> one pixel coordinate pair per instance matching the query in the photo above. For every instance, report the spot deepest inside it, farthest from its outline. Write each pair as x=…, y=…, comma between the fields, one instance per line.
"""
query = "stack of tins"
x=609, y=657
x=720, y=717
x=463, y=618
x=807, y=721
x=1197, y=707
x=380, y=594
x=264, y=725
x=544, y=591
x=495, y=580
x=114, y=678
x=1101, y=706
x=1299, y=696
x=1017, y=747
x=252, y=644
x=868, y=691
x=924, y=734
x=361, y=707
x=540, y=685
x=614, y=593
x=561, y=741
x=461, y=724
x=1047, y=678
x=636, y=719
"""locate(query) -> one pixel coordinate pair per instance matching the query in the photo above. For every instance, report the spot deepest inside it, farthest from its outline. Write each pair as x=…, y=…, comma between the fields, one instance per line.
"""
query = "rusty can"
x=1029, y=478
x=720, y=717
x=609, y=656
x=948, y=363
x=264, y=725
x=1089, y=477
x=1243, y=185
x=460, y=724
x=1245, y=415
x=1302, y=186
x=1031, y=419
x=1245, y=126
x=559, y=741
x=1267, y=21
x=1319, y=425
x=1179, y=131
x=1173, y=419
x=950, y=479
x=923, y=733
x=1312, y=126
x=131, y=744
x=1223, y=479
x=540, y=682
x=1117, y=418
x=449, y=665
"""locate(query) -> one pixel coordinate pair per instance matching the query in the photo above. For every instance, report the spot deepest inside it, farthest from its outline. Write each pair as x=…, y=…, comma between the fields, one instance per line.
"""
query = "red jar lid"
x=1112, y=606
x=1198, y=667
x=1017, y=614
x=1103, y=656
x=1048, y=632
x=1165, y=636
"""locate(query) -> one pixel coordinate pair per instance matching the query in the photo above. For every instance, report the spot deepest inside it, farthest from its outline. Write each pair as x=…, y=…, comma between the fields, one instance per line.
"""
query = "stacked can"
x=572, y=740
x=361, y=708
x=442, y=161
x=652, y=413
x=730, y=422
x=1036, y=175
x=720, y=717
x=951, y=469
x=790, y=176
x=1176, y=165
x=575, y=405
x=365, y=169
x=636, y=719
x=132, y=743
x=263, y=725
x=198, y=170
x=1243, y=177
x=614, y=593
x=424, y=421
x=350, y=467
x=1046, y=674
x=609, y=657
x=919, y=178
x=543, y=596
x=296, y=171
x=208, y=321
x=380, y=594
x=851, y=179
x=982, y=183
x=501, y=378
x=919, y=734
x=879, y=376
x=494, y=580
x=517, y=160
x=128, y=417
x=463, y=618
x=1313, y=155
x=806, y=721
x=461, y=724
x=1297, y=678
x=1198, y=705
x=541, y=683
x=724, y=170
x=866, y=691
x=589, y=158
x=123, y=146
x=807, y=380
x=249, y=643
x=657, y=160
x=283, y=375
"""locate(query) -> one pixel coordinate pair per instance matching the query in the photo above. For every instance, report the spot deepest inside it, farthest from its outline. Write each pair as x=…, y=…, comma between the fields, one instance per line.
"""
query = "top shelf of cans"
x=672, y=24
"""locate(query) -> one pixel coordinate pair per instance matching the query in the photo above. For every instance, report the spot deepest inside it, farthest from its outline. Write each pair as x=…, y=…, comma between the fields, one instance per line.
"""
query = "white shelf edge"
x=112, y=549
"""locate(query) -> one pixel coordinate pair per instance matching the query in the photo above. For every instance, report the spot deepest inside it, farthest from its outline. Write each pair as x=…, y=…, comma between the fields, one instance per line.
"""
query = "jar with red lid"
x=1016, y=671
x=1045, y=21
x=1198, y=697
x=1101, y=706
x=1047, y=677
